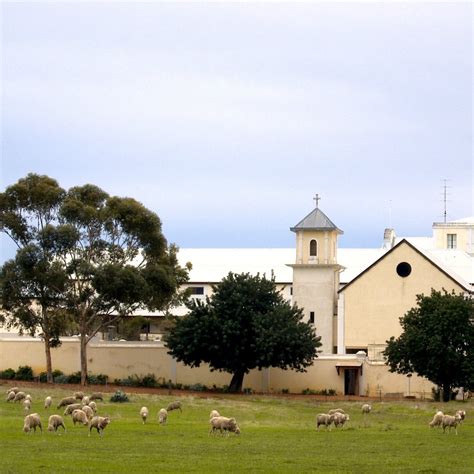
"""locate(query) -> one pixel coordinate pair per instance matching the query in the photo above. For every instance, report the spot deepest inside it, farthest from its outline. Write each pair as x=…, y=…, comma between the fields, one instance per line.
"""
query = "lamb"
x=449, y=421
x=85, y=401
x=213, y=414
x=144, y=414
x=336, y=410
x=88, y=411
x=32, y=421
x=340, y=419
x=99, y=423
x=462, y=415
x=47, y=402
x=27, y=404
x=78, y=395
x=93, y=406
x=162, y=416
x=174, y=406
x=19, y=396
x=66, y=401
x=70, y=408
x=437, y=419
x=11, y=396
x=325, y=419
x=79, y=416
x=96, y=396
x=366, y=408
x=222, y=424
x=54, y=422
x=13, y=389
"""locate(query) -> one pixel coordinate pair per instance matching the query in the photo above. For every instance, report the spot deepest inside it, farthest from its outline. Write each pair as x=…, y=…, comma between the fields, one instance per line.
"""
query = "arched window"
x=313, y=248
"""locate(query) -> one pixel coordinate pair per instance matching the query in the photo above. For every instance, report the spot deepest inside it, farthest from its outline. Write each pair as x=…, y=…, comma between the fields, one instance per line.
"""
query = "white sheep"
x=47, y=402
x=462, y=415
x=79, y=416
x=13, y=389
x=93, y=406
x=88, y=411
x=32, y=421
x=99, y=423
x=449, y=421
x=54, y=422
x=144, y=414
x=28, y=397
x=66, y=401
x=437, y=419
x=19, y=396
x=335, y=410
x=174, y=406
x=85, y=401
x=11, y=396
x=27, y=404
x=366, y=408
x=78, y=395
x=213, y=414
x=223, y=424
x=70, y=408
x=325, y=419
x=163, y=416
x=340, y=419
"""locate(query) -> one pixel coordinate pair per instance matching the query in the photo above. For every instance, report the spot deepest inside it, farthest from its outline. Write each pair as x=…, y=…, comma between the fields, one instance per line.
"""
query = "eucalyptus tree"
x=32, y=285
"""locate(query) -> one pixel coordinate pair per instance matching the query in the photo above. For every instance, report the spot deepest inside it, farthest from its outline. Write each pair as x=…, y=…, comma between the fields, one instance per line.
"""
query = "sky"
x=227, y=118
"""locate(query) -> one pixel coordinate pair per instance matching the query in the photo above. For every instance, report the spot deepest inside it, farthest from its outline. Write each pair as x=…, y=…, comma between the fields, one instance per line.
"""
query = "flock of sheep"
x=83, y=410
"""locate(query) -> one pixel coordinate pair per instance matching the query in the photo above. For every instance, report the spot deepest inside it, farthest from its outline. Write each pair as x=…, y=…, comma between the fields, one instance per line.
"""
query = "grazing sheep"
x=28, y=397
x=174, y=406
x=449, y=421
x=19, y=396
x=11, y=396
x=99, y=423
x=85, y=401
x=162, y=416
x=88, y=411
x=336, y=410
x=366, y=408
x=144, y=414
x=47, y=402
x=79, y=416
x=78, y=395
x=27, y=404
x=340, y=419
x=97, y=396
x=462, y=415
x=54, y=422
x=32, y=421
x=222, y=424
x=70, y=408
x=213, y=414
x=325, y=419
x=13, y=389
x=93, y=406
x=67, y=401
x=437, y=419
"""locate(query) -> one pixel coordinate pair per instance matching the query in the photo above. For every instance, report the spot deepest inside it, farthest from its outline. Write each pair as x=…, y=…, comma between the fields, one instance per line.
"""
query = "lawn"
x=278, y=435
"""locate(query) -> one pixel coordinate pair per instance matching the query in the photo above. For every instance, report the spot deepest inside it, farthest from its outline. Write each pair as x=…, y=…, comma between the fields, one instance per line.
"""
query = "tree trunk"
x=83, y=359
x=446, y=392
x=237, y=381
x=49, y=366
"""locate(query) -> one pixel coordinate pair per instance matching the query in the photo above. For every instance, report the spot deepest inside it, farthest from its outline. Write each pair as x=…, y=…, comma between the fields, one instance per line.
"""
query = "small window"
x=452, y=241
x=196, y=290
x=403, y=269
x=291, y=290
x=313, y=248
x=311, y=317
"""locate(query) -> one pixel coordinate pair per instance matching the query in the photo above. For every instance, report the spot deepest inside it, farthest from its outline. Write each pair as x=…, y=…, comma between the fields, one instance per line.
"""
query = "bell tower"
x=316, y=274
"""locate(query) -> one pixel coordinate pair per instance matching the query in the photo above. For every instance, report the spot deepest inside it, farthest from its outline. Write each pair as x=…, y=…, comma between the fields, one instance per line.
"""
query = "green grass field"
x=278, y=435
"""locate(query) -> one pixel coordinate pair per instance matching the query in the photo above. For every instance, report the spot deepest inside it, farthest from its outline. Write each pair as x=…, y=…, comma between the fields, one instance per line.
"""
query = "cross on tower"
x=316, y=199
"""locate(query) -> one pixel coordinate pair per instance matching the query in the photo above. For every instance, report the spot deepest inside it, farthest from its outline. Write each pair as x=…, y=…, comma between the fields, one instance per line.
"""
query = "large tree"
x=437, y=341
x=32, y=284
x=245, y=324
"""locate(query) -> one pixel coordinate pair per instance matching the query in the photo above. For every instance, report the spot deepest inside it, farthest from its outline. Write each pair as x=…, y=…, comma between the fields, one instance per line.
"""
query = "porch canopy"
x=348, y=365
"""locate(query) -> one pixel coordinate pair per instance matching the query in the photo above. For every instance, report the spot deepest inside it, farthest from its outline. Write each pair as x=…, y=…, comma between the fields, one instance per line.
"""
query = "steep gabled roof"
x=316, y=220
x=451, y=275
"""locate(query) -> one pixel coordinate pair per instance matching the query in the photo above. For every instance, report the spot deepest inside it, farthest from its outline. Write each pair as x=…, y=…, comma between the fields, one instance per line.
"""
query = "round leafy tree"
x=245, y=324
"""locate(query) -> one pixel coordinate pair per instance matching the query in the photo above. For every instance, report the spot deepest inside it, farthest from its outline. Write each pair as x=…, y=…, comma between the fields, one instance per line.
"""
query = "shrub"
x=198, y=387
x=7, y=374
x=148, y=380
x=247, y=390
x=308, y=391
x=56, y=373
x=285, y=390
x=99, y=379
x=119, y=397
x=74, y=378
x=24, y=372
x=61, y=379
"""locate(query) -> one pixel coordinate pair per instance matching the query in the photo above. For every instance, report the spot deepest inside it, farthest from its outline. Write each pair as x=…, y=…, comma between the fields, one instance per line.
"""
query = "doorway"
x=351, y=381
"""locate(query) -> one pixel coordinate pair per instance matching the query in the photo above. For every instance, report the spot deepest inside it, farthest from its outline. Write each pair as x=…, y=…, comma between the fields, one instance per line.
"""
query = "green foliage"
x=7, y=374
x=119, y=397
x=56, y=373
x=245, y=324
x=24, y=372
x=437, y=341
x=131, y=328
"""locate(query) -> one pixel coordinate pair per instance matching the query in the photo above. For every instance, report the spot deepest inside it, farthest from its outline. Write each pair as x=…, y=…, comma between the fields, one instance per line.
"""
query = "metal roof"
x=316, y=220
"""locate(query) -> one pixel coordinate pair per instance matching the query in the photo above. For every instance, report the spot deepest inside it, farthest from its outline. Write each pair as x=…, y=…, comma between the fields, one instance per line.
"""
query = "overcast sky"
x=226, y=119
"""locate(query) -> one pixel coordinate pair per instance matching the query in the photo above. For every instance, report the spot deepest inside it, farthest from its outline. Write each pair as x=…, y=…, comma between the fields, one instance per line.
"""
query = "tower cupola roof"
x=316, y=220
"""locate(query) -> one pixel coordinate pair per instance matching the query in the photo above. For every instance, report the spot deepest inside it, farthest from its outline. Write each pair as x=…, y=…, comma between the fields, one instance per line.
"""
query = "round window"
x=403, y=269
